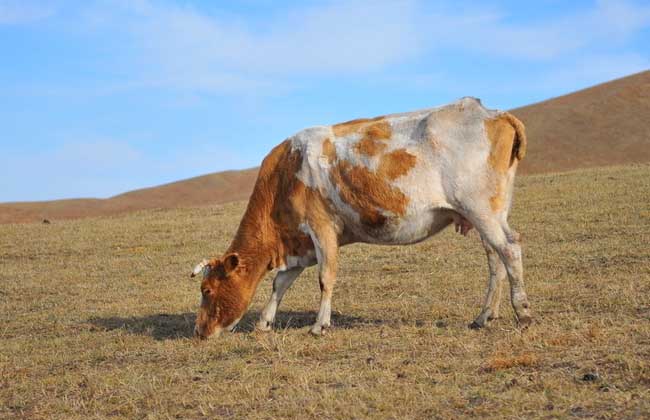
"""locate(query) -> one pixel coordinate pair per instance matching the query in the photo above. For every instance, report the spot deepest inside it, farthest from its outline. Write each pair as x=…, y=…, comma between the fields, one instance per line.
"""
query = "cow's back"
x=385, y=176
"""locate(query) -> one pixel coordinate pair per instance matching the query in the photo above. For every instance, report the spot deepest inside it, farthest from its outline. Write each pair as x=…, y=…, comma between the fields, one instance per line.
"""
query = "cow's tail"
x=519, y=144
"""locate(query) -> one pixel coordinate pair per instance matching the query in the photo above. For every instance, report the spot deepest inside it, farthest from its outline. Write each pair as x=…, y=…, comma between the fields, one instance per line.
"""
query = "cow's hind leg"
x=504, y=241
x=326, y=244
x=282, y=282
x=497, y=275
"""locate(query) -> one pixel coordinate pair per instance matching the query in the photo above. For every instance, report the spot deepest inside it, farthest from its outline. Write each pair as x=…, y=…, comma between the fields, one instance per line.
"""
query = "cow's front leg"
x=282, y=282
x=326, y=244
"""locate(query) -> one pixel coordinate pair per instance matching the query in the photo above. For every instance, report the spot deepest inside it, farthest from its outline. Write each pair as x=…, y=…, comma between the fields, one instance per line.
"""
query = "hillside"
x=608, y=124
x=221, y=187
x=97, y=317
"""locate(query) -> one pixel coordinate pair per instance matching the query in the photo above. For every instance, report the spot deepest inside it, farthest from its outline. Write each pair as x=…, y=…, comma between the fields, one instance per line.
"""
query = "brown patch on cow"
x=329, y=151
x=372, y=133
x=501, y=135
x=367, y=193
x=369, y=146
x=378, y=130
x=353, y=126
x=372, y=138
x=508, y=142
x=507, y=145
x=395, y=164
x=291, y=203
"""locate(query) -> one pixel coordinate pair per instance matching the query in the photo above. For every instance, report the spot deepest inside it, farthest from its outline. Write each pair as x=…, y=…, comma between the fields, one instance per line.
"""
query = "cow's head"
x=224, y=297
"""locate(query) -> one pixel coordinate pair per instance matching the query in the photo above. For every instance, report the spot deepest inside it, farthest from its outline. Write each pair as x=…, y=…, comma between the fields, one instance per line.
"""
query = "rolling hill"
x=608, y=124
x=214, y=188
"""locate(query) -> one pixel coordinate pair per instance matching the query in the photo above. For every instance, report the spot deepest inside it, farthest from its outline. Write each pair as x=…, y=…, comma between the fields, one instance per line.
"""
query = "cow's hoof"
x=524, y=322
x=475, y=325
x=318, y=330
x=264, y=326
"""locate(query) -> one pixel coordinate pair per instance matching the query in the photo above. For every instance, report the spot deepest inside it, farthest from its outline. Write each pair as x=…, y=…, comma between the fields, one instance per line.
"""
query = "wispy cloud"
x=15, y=12
x=492, y=32
x=181, y=47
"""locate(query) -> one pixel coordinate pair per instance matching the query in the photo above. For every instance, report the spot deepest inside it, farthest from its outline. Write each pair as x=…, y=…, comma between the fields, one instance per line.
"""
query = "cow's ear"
x=230, y=262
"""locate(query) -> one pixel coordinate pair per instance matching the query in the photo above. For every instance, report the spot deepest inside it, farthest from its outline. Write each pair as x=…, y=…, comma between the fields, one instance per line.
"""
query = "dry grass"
x=95, y=318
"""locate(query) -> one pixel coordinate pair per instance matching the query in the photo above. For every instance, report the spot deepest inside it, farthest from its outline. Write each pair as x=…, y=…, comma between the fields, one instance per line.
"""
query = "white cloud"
x=337, y=37
x=181, y=47
x=14, y=12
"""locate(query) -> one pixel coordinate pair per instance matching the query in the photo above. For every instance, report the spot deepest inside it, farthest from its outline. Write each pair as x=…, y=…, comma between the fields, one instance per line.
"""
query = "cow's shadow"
x=159, y=326
x=178, y=326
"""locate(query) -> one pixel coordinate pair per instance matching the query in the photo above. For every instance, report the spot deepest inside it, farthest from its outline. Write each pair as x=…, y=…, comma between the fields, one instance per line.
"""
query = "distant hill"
x=220, y=187
x=608, y=124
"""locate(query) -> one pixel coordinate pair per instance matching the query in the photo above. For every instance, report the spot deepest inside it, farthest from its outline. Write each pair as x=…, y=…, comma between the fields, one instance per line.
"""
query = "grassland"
x=96, y=317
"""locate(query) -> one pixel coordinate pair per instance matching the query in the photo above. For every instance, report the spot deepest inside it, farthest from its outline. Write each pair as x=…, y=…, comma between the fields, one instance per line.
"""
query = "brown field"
x=96, y=317
x=603, y=125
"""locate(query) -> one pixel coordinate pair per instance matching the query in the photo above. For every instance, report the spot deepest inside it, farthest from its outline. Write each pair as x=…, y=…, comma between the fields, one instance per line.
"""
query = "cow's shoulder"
x=309, y=139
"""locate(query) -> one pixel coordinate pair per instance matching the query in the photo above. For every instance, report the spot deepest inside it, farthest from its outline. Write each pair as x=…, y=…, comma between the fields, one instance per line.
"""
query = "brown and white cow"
x=396, y=179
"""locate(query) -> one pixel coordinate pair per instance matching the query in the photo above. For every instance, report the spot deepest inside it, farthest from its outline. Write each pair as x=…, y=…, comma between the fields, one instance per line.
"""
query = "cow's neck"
x=254, y=242
x=257, y=240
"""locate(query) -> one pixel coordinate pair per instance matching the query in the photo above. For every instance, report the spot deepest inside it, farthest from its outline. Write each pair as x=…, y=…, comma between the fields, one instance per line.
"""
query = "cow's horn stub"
x=199, y=268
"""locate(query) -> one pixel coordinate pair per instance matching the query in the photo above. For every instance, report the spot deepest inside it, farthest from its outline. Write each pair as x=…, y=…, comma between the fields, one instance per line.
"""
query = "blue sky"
x=101, y=97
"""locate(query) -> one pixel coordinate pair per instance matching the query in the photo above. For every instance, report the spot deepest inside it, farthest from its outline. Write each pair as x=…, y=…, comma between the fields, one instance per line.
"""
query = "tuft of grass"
x=96, y=318
x=507, y=362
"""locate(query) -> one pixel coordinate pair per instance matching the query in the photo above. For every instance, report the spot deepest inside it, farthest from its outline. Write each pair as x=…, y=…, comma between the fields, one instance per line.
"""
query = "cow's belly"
x=405, y=230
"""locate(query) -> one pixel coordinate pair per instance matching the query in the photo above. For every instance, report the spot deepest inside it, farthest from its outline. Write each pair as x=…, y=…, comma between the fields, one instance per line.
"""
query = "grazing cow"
x=396, y=179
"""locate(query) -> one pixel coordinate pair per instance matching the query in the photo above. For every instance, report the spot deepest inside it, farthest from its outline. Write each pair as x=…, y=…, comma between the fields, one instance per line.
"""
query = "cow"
x=395, y=180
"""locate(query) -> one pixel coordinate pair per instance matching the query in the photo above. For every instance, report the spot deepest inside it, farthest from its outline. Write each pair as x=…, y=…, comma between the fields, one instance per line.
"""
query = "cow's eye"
x=205, y=292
